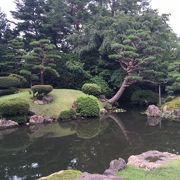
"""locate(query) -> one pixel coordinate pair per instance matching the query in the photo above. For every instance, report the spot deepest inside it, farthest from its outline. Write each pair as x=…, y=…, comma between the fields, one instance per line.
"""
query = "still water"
x=29, y=153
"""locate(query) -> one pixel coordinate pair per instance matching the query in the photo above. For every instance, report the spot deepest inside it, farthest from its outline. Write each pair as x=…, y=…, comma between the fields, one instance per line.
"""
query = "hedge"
x=41, y=90
x=14, y=107
x=91, y=89
x=87, y=106
x=8, y=82
x=67, y=115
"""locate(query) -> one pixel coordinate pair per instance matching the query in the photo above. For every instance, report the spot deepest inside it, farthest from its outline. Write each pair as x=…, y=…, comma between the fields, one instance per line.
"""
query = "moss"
x=170, y=172
x=174, y=104
x=64, y=175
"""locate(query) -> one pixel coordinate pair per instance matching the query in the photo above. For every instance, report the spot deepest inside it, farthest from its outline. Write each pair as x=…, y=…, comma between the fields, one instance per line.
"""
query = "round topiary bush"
x=87, y=106
x=144, y=97
x=8, y=82
x=41, y=90
x=15, y=109
x=91, y=89
x=67, y=115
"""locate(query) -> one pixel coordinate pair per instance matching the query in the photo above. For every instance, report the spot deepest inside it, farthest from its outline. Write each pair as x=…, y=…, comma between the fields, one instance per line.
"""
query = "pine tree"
x=40, y=62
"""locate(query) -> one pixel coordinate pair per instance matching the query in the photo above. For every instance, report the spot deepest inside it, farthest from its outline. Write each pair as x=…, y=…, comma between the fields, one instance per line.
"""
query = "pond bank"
x=136, y=168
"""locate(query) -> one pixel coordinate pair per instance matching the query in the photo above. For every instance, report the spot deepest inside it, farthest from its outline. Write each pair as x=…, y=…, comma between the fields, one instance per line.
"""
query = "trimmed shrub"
x=21, y=119
x=144, y=97
x=91, y=89
x=8, y=82
x=14, y=107
x=67, y=115
x=41, y=90
x=4, y=92
x=87, y=106
x=105, y=90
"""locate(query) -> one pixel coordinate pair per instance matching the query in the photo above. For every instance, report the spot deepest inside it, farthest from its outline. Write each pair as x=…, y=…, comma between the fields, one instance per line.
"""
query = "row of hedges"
x=85, y=106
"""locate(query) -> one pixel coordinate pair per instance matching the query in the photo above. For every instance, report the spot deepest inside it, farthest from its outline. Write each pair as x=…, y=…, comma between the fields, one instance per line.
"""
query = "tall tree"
x=31, y=16
x=40, y=62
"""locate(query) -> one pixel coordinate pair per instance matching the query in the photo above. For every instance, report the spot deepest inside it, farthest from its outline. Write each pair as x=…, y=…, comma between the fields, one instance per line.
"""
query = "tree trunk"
x=121, y=90
x=42, y=77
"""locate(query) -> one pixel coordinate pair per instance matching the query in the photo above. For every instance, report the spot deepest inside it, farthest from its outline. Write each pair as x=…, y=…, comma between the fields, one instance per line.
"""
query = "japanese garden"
x=89, y=89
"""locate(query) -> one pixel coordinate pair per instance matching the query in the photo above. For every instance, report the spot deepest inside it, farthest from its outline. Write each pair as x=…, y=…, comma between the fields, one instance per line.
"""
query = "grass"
x=64, y=175
x=174, y=104
x=63, y=100
x=169, y=172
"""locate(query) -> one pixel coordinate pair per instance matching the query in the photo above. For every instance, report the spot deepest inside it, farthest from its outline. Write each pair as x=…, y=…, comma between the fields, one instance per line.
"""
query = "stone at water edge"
x=115, y=166
x=151, y=159
x=4, y=124
x=36, y=120
x=153, y=111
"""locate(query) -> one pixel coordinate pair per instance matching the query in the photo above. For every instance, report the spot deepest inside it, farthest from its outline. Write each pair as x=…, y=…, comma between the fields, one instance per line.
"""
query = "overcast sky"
x=164, y=6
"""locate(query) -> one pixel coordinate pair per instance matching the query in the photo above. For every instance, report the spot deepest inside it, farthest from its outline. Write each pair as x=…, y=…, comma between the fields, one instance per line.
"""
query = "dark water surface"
x=29, y=153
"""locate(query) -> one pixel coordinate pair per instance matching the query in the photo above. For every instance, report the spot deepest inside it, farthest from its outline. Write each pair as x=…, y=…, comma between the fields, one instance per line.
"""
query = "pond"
x=29, y=153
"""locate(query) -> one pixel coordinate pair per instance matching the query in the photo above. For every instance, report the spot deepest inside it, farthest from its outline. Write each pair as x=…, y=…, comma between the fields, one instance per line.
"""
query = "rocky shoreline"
x=147, y=161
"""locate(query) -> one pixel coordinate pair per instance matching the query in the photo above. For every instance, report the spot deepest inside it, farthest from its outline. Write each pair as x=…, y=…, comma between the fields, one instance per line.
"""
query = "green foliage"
x=14, y=107
x=105, y=90
x=174, y=104
x=174, y=77
x=4, y=92
x=41, y=90
x=41, y=62
x=87, y=106
x=91, y=89
x=67, y=115
x=144, y=97
x=8, y=82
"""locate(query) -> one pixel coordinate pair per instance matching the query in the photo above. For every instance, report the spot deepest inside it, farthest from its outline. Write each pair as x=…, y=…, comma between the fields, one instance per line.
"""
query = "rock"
x=151, y=159
x=39, y=102
x=103, y=111
x=36, y=120
x=153, y=111
x=177, y=113
x=48, y=120
x=4, y=124
x=87, y=176
x=116, y=166
x=47, y=99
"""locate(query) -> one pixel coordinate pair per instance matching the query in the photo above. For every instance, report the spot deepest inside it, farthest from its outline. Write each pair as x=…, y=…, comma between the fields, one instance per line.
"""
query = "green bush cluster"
x=105, y=90
x=87, y=106
x=8, y=82
x=91, y=89
x=9, y=91
x=67, y=115
x=41, y=90
x=14, y=109
x=144, y=97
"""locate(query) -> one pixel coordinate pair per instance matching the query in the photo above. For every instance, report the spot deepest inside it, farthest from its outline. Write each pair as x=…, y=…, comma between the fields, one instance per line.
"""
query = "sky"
x=163, y=6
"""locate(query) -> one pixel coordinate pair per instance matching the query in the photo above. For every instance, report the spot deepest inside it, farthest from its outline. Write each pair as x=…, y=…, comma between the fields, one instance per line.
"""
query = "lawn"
x=170, y=172
x=63, y=100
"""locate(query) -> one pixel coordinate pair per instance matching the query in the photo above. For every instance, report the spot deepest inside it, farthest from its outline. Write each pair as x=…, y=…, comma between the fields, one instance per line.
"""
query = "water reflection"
x=29, y=153
x=154, y=121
